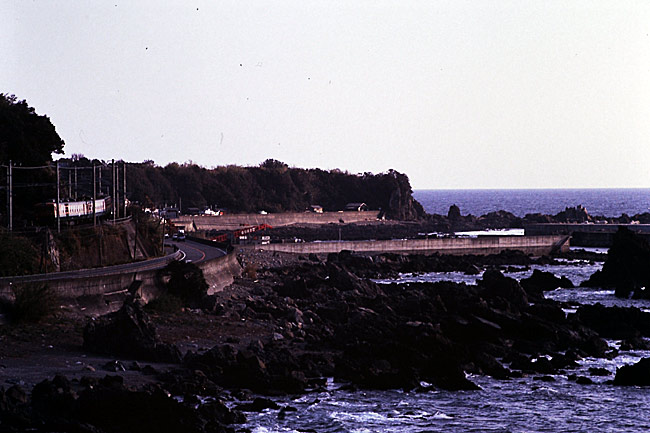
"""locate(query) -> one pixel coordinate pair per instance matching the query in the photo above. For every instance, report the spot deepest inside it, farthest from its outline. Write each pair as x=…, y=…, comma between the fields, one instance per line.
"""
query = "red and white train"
x=72, y=210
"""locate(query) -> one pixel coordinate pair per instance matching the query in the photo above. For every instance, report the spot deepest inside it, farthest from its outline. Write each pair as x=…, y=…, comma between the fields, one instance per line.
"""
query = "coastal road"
x=192, y=251
x=196, y=252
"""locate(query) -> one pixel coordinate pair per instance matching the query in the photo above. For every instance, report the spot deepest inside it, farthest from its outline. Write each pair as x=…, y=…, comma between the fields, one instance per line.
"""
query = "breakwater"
x=587, y=235
x=536, y=245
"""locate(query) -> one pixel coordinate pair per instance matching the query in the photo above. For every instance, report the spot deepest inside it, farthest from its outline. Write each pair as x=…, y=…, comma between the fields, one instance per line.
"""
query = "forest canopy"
x=272, y=186
x=26, y=138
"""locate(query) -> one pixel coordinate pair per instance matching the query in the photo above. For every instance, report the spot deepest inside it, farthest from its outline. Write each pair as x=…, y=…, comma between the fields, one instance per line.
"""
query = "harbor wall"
x=587, y=235
x=535, y=245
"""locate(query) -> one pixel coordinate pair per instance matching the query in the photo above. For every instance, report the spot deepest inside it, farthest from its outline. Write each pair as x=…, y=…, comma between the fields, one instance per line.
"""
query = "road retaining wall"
x=536, y=245
x=98, y=294
x=234, y=221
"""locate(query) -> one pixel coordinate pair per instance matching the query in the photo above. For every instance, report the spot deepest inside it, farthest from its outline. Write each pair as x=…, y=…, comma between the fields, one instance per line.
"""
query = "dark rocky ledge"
x=287, y=328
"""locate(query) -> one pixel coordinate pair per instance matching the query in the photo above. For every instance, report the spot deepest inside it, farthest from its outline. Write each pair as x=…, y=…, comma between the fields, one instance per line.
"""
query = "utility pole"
x=124, y=188
x=94, y=196
x=75, y=183
x=113, y=186
x=117, y=190
x=58, y=198
x=135, y=238
x=69, y=184
x=163, y=236
x=10, y=197
x=100, y=179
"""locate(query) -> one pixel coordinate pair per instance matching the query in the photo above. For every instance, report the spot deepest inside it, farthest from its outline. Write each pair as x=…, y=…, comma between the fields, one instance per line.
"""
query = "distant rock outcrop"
x=401, y=204
x=576, y=214
x=627, y=268
x=454, y=213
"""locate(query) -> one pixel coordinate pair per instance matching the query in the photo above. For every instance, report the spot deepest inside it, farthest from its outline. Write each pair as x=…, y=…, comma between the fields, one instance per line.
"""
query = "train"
x=73, y=210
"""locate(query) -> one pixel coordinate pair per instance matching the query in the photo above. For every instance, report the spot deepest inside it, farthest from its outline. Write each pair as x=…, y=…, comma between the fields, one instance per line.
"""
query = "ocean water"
x=516, y=405
x=601, y=202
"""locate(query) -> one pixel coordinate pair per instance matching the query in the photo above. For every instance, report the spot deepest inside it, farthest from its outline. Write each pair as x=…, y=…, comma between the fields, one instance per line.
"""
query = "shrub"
x=33, y=303
x=19, y=256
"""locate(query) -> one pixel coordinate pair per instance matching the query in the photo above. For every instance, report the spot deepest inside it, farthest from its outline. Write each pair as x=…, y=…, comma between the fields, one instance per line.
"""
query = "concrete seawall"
x=535, y=245
x=234, y=221
x=100, y=294
x=587, y=235
x=220, y=272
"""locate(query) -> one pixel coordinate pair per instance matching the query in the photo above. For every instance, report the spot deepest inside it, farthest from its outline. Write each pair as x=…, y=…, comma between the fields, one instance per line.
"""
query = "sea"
x=598, y=202
x=503, y=406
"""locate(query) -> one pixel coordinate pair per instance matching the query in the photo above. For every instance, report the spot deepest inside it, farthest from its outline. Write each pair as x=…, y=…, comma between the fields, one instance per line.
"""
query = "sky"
x=456, y=94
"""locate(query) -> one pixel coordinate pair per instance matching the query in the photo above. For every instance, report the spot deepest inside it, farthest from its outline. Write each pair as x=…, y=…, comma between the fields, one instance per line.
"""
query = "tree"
x=274, y=164
x=26, y=138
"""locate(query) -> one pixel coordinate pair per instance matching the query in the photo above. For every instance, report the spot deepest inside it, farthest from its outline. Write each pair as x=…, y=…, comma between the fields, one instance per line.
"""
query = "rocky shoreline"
x=291, y=322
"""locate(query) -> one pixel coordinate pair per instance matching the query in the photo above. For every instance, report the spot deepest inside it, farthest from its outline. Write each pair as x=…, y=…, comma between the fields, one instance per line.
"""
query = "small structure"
x=358, y=207
x=169, y=213
x=316, y=208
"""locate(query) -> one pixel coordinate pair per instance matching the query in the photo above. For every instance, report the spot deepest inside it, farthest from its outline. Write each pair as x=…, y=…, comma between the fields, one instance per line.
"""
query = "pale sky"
x=476, y=94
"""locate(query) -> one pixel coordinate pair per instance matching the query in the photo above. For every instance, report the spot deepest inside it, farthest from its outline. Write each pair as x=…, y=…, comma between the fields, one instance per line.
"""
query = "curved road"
x=196, y=252
x=190, y=251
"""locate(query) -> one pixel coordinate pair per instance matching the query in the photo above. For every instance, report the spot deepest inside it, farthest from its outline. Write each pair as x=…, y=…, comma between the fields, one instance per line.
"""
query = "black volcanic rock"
x=499, y=219
x=627, y=268
x=331, y=322
x=128, y=332
x=495, y=285
x=540, y=282
x=619, y=323
x=634, y=375
x=108, y=405
x=454, y=213
x=576, y=214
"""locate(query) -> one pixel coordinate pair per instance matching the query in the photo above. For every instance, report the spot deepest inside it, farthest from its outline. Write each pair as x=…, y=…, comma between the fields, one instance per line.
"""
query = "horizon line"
x=530, y=188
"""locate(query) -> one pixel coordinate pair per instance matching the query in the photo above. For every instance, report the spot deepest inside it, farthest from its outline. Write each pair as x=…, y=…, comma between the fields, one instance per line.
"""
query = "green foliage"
x=26, y=138
x=272, y=186
x=32, y=303
x=19, y=256
x=274, y=164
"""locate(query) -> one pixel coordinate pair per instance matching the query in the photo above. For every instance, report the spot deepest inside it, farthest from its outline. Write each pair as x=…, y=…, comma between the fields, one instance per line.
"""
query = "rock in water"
x=634, y=375
x=627, y=267
x=496, y=285
x=128, y=332
x=540, y=282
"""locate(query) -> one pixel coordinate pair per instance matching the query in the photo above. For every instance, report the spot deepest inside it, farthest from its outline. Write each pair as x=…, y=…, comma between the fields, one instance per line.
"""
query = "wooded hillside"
x=272, y=186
